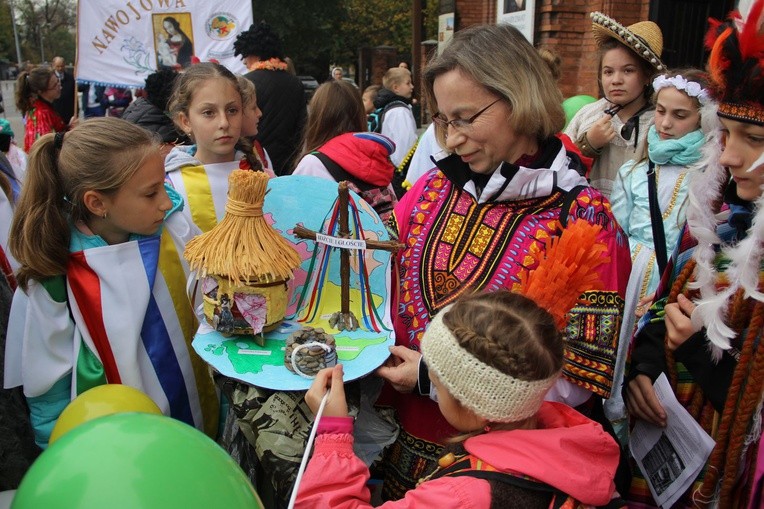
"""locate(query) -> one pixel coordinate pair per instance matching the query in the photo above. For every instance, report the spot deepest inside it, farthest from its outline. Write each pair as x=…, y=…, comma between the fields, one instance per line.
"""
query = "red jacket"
x=41, y=119
x=567, y=451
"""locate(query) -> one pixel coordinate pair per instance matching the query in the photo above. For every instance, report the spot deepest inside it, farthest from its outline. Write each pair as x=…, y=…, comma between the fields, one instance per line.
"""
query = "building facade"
x=564, y=27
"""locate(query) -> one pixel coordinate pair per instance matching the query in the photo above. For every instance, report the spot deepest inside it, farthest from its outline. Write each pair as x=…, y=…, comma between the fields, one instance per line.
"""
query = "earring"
x=105, y=215
x=487, y=428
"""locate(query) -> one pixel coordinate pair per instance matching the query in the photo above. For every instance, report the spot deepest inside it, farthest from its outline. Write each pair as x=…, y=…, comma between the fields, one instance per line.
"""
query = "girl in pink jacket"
x=491, y=357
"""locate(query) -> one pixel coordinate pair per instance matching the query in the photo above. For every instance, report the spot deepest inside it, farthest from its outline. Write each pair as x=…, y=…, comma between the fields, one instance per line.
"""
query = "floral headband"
x=691, y=88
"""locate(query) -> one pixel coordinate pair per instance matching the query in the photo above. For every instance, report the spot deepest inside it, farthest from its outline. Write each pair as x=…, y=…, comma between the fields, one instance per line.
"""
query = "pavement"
x=8, y=89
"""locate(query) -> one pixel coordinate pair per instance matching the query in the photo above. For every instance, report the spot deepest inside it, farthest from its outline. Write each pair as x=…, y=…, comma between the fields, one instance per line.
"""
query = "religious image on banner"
x=120, y=43
x=173, y=39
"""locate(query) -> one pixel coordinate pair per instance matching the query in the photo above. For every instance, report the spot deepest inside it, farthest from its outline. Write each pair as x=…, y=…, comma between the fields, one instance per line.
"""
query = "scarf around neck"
x=680, y=152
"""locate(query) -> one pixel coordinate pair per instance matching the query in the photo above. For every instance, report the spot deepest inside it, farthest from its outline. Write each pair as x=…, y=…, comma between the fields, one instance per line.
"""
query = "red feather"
x=751, y=41
x=718, y=63
x=715, y=28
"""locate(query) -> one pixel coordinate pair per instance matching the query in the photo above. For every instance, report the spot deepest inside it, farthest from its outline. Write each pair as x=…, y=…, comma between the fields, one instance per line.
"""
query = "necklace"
x=272, y=64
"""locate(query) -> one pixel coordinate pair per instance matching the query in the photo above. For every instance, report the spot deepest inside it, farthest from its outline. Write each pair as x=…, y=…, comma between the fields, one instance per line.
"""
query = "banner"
x=520, y=13
x=120, y=42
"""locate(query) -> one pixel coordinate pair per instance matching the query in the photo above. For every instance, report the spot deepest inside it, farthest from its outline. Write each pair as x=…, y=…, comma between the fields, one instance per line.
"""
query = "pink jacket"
x=567, y=450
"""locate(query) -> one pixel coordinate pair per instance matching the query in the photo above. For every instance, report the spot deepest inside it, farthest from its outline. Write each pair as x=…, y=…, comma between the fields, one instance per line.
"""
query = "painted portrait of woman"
x=173, y=47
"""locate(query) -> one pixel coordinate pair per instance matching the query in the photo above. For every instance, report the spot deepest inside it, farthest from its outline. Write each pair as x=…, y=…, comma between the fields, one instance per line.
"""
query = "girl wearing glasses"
x=35, y=92
x=503, y=190
x=613, y=129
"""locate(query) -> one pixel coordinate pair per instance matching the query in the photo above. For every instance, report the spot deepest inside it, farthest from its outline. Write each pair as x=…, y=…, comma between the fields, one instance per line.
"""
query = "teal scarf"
x=679, y=152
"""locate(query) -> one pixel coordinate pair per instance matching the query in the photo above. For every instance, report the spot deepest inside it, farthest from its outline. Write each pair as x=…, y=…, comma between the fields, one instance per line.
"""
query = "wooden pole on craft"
x=344, y=319
x=344, y=253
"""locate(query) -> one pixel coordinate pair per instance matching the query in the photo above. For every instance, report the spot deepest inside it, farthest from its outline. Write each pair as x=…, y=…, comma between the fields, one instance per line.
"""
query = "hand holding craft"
x=329, y=378
x=401, y=369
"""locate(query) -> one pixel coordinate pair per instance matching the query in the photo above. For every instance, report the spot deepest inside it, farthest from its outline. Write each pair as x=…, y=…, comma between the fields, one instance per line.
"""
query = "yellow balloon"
x=100, y=401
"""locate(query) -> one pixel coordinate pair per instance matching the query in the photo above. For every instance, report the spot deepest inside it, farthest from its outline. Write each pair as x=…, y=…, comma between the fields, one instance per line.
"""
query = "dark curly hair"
x=259, y=41
x=159, y=87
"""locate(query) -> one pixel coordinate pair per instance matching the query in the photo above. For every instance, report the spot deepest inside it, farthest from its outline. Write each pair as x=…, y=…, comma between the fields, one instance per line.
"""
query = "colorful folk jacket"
x=458, y=241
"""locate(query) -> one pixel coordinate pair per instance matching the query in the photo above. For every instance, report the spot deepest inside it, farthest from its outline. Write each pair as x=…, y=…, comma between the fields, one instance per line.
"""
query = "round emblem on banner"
x=221, y=26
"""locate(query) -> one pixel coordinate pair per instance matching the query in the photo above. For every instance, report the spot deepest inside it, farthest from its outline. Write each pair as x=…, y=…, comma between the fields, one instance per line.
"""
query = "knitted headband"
x=485, y=390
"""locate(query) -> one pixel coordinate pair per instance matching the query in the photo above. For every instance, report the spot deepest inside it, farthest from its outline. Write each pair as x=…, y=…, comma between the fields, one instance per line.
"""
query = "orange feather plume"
x=566, y=269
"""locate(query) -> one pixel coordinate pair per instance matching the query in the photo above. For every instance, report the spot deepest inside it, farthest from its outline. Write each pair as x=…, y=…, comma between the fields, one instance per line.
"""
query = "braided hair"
x=509, y=332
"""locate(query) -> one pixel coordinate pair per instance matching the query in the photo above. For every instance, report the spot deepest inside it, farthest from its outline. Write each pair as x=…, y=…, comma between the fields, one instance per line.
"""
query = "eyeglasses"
x=459, y=123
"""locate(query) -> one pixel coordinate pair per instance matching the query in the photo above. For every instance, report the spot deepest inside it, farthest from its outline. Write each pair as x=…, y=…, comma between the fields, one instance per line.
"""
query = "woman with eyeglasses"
x=613, y=129
x=35, y=92
x=504, y=189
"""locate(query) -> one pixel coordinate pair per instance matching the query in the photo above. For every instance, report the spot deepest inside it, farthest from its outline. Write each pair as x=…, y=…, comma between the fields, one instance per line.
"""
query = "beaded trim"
x=674, y=193
x=638, y=44
x=749, y=113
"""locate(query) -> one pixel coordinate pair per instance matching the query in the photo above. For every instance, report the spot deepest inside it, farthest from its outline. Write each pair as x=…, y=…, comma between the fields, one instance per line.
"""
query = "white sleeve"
x=420, y=161
x=312, y=165
x=399, y=125
x=566, y=392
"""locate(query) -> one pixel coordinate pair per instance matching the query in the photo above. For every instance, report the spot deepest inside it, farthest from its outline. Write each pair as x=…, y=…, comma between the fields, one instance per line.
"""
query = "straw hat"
x=644, y=38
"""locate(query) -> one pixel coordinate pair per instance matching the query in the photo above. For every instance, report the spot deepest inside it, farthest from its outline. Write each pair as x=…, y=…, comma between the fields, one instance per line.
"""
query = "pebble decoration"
x=311, y=349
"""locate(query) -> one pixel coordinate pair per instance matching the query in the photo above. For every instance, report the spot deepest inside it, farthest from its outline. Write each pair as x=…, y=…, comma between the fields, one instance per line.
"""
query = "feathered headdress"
x=566, y=269
x=736, y=65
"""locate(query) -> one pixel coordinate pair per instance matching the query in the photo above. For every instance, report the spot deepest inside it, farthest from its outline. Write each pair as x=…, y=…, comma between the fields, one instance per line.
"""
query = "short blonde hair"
x=248, y=91
x=501, y=59
x=395, y=76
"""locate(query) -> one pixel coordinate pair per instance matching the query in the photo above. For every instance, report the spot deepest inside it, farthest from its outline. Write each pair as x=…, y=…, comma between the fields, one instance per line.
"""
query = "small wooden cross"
x=344, y=319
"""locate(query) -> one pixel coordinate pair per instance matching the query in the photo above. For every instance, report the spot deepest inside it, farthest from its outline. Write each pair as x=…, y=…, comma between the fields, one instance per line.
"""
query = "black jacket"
x=281, y=98
x=64, y=105
x=141, y=112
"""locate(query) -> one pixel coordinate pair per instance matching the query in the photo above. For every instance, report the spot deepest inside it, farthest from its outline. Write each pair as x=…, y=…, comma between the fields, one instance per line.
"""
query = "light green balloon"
x=571, y=105
x=135, y=461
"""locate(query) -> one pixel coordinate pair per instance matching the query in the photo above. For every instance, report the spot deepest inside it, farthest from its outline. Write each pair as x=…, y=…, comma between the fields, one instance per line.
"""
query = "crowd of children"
x=535, y=307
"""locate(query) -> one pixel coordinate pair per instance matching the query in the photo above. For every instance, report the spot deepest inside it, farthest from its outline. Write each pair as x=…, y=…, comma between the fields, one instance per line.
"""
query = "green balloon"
x=135, y=461
x=571, y=105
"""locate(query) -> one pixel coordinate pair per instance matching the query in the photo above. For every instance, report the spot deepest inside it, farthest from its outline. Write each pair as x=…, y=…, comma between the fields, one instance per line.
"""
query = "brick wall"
x=563, y=26
x=474, y=12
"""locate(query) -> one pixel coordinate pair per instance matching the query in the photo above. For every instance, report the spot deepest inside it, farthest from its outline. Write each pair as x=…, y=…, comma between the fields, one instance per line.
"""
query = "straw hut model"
x=243, y=262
